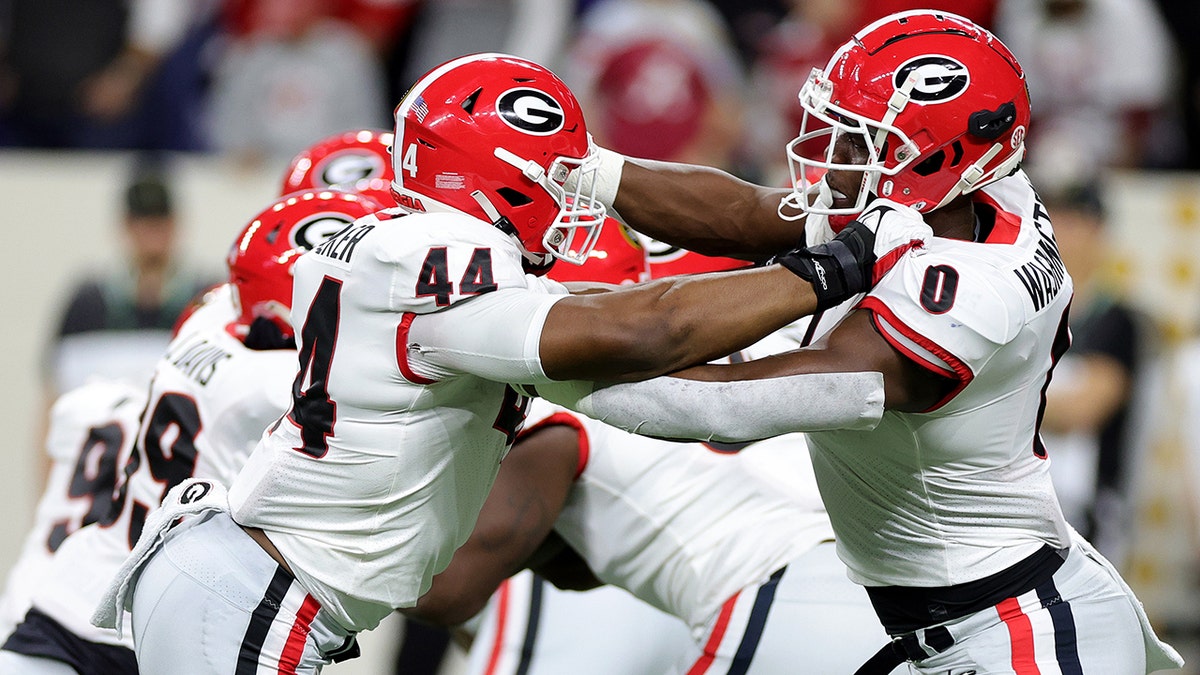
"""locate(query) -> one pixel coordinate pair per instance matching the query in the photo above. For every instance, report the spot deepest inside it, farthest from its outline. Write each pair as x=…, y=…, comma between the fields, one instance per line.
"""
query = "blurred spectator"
x=1182, y=18
x=444, y=29
x=296, y=74
x=1087, y=427
x=749, y=21
x=118, y=321
x=127, y=75
x=1099, y=74
x=660, y=79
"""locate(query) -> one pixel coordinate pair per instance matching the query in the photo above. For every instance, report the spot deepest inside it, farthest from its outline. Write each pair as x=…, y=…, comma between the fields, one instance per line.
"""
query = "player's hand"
x=858, y=257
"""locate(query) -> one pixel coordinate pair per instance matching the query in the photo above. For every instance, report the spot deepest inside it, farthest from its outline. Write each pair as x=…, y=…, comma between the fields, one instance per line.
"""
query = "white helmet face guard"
x=811, y=153
x=576, y=228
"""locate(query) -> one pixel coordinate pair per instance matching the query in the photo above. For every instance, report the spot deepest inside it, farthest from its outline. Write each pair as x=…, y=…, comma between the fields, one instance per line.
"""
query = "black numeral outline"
x=312, y=410
x=94, y=479
x=939, y=288
x=434, y=279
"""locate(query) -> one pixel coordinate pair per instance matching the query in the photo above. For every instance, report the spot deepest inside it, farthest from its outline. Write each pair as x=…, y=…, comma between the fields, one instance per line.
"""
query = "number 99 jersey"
x=91, y=433
x=209, y=402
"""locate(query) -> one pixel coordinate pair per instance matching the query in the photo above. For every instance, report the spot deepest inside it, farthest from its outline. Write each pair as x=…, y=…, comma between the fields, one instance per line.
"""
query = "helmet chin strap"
x=503, y=224
x=973, y=177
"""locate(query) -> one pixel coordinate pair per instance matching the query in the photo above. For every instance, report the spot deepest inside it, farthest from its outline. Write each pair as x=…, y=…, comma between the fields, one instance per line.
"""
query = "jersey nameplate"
x=198, y=359
x=341, y=245
x=1043, y=276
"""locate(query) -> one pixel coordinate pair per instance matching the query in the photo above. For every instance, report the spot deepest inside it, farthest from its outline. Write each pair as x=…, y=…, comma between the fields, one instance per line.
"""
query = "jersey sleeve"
x=949, y=314
x=496, y=336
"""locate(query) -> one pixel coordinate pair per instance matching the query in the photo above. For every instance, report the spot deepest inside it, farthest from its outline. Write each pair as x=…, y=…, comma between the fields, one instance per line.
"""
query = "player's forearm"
x=640, y=332
x=733, y=411
x=704, y=210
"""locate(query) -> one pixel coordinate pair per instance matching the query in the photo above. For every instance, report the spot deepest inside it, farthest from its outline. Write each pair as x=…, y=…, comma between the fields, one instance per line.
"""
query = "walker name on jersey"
x=198, y=359
x=341, y=246
x=1043, y=276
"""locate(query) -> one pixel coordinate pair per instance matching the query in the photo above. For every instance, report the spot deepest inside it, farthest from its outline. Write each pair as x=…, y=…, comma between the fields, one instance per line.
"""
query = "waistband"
x=905, y=609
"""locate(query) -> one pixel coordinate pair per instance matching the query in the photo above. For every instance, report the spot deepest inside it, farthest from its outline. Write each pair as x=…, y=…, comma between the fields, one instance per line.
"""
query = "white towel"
x=191, y=497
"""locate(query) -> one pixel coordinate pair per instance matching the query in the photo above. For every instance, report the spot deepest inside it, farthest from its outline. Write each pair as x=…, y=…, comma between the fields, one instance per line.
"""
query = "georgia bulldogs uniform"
x=432, y=472
x=209, y=401
x=966, y=494
x=91, y=432
x=746, y=562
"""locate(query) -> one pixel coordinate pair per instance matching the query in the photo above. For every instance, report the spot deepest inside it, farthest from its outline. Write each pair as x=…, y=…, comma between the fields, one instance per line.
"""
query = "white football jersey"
x=683, y=526
x=210, y=401
x=408, y=328
x=963, y=490
x=92, y=429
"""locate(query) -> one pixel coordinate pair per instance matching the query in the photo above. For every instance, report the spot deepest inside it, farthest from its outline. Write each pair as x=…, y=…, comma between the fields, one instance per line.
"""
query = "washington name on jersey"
x=961, y=490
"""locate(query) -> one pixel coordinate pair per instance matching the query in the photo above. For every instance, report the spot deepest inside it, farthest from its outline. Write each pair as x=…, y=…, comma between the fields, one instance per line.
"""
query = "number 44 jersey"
x=409, y=328
x=209, y=402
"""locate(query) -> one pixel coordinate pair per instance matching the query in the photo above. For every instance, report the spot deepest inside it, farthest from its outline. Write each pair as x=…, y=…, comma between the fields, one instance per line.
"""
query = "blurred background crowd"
x=174, y=120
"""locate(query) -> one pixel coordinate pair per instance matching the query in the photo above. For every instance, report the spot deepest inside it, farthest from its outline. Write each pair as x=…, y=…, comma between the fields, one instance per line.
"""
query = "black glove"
x=838, y=270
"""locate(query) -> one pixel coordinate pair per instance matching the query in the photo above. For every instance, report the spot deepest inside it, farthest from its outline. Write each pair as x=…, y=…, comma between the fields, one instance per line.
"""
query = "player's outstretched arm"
x=516, y=518
x=704, y=210
x=673, y=323
x=842, y=382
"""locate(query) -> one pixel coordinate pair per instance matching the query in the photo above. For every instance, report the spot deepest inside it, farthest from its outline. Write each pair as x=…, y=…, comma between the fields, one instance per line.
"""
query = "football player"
x=412, y=325
x=223, y=379
x=357, y=160
x=732, y=541
x=91, y=431
x=945, y=511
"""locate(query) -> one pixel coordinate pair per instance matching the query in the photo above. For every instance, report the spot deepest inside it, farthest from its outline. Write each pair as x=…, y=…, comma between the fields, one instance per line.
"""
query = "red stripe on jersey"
x=501, y=620
x=1007, y=226
x=567, y=420
x=293, y=649
x=889, y=259
x=402, y=351
x=714, y=639
x=1020, y=634
x=961, y=371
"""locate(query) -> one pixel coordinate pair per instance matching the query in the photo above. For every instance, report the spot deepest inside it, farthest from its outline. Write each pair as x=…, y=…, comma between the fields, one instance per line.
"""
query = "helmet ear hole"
x=513, y=197
x=468, y=104
x=931, y=164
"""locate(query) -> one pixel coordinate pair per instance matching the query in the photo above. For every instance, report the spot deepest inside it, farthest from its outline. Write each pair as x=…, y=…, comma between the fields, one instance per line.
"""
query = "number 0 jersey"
x=963, y=490
x=209, y=402
x=408, y=328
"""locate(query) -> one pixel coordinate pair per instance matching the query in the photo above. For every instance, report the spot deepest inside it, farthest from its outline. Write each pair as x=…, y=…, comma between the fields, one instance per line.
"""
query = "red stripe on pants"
x=1020, y=634
x=501, y=619
x=714, y=639
x=293, y=649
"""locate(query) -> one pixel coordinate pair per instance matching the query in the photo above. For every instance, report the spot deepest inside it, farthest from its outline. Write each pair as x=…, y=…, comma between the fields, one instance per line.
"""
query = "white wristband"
x=607, y=177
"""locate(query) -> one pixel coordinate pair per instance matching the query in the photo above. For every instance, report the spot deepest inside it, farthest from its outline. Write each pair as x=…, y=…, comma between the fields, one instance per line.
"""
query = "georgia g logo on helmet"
x=347, y=168
x=531, y=111
x=317, y=228
x=939, y=78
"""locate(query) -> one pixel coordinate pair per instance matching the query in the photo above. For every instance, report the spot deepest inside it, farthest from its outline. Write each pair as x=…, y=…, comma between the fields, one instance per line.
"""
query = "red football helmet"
x=261, y=258
x=938, y=103
x=353, y=161
x=617, y=258
x=494, y=136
